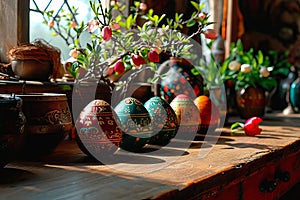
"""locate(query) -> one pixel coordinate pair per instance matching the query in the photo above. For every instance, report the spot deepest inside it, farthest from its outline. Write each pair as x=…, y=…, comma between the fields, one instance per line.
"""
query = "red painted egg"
x=97, y=129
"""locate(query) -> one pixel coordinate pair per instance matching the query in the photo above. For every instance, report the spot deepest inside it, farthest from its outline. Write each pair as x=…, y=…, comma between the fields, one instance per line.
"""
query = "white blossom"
x=264, y=72
x=234, y=65
x=245, y=68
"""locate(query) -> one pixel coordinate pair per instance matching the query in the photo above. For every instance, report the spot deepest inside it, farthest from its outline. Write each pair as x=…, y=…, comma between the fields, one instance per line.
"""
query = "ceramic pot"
x=295, y=95
x=36, y=70
x=49, y=121
x=279, y=99
x=251, y=101
x=12, y=122
x=86, y=91
x=137, y=86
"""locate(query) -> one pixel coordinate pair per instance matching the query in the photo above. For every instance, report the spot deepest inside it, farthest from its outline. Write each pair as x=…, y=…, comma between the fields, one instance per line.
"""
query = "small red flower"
x=211, y=34
x=119, y=67
x=115, y=26
x=106, y=33
x=251, y=126
x=153, y=56
x=51, y=23
x=138, y=60
x=74, y=24
x=202, y=15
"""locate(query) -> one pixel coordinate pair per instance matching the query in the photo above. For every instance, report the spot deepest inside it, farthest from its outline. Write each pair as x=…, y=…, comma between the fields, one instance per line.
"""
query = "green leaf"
x=236, y=125
x=191, y=23
x=196, y=5
x=260, y=57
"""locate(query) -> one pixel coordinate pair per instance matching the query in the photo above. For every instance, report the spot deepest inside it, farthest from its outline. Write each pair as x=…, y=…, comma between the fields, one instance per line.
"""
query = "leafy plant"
x=248, y=68
x=119, y=44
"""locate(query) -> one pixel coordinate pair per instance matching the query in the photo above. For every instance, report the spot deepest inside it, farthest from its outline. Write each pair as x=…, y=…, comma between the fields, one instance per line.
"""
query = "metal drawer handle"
x=270, y=185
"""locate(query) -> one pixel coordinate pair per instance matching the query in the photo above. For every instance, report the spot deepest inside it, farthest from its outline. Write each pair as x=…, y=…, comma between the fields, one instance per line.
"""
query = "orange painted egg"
x=163, y=120
x=135, y=122
x=209, y=113
x=186, y=112
x=97, y=129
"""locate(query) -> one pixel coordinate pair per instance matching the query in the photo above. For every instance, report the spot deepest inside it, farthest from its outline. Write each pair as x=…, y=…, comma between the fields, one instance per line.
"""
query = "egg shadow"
x=12, y=175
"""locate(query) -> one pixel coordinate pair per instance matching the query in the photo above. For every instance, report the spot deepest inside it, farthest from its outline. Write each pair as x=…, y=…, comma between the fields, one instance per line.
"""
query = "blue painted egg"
x=135, y=123
x=163, y=119
x=187, y=113
x=97, y=129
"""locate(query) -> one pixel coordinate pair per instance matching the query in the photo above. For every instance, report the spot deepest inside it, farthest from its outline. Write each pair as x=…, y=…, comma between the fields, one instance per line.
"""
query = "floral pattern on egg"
x=97, y=129
x=187, y=113
x=135, y=122
x=164, y=121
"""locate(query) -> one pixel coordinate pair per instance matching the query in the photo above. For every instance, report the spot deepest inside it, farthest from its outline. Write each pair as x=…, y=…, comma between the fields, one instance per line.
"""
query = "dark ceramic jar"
x=295, y=95
x=251, y=102
x=12, y=122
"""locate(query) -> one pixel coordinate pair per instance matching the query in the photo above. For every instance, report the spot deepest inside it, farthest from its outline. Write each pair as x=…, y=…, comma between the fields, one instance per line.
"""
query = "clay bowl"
x=38, y=70
x=12, y=122
x=49, y=121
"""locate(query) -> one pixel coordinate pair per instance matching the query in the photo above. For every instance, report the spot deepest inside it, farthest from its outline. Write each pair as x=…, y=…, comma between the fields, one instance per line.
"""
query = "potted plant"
x=120, y=46
x=120, y=50
x=249, y=73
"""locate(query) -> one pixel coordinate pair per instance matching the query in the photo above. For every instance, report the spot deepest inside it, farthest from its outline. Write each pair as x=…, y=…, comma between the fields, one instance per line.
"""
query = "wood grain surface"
x=69, y=174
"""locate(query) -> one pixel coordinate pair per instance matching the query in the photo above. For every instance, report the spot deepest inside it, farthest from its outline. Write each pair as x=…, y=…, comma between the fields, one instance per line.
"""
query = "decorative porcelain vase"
x=12, y=122
x=179, y=79
x=251, y=101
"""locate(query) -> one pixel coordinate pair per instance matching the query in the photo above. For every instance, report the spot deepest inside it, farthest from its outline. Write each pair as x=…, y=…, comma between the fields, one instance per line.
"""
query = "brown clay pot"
x=49, y=121
x=251, y=102
x=87, y=91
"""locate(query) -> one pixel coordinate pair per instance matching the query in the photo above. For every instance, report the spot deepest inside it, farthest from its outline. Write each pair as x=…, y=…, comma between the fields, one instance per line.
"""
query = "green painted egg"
x=135, y=123
x=163, y=119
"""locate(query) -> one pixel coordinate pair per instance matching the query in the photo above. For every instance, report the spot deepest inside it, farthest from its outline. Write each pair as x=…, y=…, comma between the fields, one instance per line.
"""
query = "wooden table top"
x=69, y=174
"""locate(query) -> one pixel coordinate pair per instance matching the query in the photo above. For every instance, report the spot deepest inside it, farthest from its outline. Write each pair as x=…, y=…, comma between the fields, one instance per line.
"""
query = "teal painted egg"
x=97, y=129
x=187, y=113
x=163, y=119
x=135, y=123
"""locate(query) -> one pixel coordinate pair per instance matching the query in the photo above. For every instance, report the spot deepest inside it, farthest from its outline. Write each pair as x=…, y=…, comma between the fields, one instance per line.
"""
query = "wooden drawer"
x=270, y=181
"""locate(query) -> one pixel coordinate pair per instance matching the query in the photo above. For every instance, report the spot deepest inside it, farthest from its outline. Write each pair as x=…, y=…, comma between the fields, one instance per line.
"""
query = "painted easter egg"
x=186, y=112
x=135, y=123
x=97, y=129
x=209, y=113
x=163, y=119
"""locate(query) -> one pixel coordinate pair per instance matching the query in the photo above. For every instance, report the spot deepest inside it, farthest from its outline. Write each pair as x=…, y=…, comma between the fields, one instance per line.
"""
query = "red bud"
x=251, y=126
x=211, y=34
x=153, y=56
x=106, y=33
x=119, y=67
x=138, y=60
